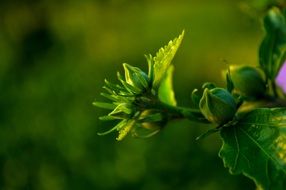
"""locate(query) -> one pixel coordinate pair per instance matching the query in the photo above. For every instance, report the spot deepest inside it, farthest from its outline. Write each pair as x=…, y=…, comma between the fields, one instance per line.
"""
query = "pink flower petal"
x=281, y=78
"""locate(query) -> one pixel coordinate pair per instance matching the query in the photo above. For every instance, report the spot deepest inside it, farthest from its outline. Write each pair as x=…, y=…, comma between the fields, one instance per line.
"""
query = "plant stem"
x=173, y=112
x=176, y=112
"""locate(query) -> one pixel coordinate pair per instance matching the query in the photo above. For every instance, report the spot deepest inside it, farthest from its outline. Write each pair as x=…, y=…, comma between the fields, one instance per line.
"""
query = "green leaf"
x=121, y=108
x=117, y=127
x=150, y=62
x=163, y=59
x=104, y=105
x=166, y=93
x=273, y=47
x=256, y=147
x=108, y=96
x=107, y=118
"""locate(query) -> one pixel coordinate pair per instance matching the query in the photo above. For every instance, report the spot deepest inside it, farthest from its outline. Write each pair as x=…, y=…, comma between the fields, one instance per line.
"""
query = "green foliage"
x=54, y=56
x=140, y=100
x=246, y=113
x=272, y=51
x=163, y=59
x=256, y=147
x=166, y=92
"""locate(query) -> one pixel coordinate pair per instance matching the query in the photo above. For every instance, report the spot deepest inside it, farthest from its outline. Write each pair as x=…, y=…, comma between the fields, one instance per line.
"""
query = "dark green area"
x=53, y=59
x=255, y=146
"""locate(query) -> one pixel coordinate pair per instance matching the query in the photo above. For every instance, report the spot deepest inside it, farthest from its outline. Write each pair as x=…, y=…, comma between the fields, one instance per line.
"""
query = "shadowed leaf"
x=256, y=147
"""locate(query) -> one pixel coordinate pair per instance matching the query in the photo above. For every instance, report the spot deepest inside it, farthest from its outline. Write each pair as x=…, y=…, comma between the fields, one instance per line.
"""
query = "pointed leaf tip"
x=163, y=59
x=104, y=105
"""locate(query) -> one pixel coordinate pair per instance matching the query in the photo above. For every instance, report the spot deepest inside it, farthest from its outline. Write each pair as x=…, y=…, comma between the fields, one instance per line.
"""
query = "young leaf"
x=140, y=131
x=104, y=105
x=273, y=47
x=116, y=127
x=166, y=93
x=107, y=118
x=121, y=108
x=163, y=59
x=150, y=62
x=256, y=147
x=195, y=98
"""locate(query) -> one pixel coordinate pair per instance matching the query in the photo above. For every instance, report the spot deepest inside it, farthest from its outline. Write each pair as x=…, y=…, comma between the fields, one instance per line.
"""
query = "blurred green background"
x=54, y=56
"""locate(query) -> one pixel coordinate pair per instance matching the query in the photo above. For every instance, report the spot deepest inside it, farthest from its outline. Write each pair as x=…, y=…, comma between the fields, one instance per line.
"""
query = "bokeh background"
x=54, y=56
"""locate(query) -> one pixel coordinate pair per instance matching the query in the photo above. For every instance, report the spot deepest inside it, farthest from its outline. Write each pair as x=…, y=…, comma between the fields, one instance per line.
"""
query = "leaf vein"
x=261, y=148
x=237, y=146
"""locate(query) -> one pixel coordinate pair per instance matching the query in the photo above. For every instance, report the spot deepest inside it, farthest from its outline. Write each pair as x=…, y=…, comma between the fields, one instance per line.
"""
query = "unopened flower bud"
x=136, y=77
x=247, y=81
x=217, y=105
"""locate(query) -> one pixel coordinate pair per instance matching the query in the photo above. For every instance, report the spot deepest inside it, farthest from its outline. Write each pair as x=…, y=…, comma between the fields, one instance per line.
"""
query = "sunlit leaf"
x=107, y=118
x=256, y=147
x=163, y=59
x=104, y=105
x=121, y=108
x=108, y=96
x=166, y=93
x=117, y=127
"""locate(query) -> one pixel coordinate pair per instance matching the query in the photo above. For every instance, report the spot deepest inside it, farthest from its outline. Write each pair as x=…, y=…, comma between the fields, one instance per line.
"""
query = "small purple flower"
x=281, y=78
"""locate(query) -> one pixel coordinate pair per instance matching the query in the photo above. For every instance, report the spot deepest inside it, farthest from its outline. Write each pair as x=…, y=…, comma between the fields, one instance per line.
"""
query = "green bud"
x=247, y=81
x=135, y=77
x=217, y=105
